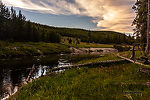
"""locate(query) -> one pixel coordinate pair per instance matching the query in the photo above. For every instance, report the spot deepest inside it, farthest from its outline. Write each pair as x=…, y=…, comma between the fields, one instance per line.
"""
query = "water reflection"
x=13, y=72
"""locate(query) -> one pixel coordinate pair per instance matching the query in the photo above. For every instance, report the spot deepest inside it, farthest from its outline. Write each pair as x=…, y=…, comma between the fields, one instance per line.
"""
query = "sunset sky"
x=114, y=15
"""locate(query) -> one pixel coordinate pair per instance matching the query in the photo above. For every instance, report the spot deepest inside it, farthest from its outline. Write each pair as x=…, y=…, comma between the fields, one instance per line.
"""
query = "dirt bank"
x=92, y=50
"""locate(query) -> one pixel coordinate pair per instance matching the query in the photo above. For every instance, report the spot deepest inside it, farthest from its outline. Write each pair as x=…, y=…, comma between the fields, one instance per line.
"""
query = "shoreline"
x=59, y=70
x=18, y=49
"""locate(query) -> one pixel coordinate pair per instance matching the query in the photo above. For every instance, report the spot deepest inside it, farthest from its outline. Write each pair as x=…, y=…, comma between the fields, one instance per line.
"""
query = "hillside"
x=15, y=27
x=106, y=37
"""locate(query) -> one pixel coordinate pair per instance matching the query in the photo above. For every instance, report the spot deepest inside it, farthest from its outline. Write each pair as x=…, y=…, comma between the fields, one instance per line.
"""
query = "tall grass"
x=111, y=82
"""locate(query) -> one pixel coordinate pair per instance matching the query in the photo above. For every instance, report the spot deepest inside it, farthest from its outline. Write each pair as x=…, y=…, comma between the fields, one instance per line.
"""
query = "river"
x=14, y=71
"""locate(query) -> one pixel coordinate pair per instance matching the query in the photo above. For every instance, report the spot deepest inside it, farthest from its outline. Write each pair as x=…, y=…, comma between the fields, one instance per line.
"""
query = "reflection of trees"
x=7, y=86
x=9, y=81
x=17, y=76
x=14, y=71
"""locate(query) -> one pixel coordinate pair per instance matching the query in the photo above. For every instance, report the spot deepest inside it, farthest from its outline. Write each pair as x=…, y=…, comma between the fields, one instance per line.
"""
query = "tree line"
x=13, y=26
x=105, y=37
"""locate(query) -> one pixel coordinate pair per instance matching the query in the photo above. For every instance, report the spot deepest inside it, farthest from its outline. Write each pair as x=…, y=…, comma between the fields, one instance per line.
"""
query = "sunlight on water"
x=12, y=78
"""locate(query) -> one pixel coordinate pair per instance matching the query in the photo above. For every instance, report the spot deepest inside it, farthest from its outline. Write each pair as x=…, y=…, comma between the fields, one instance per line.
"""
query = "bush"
x=122, y=48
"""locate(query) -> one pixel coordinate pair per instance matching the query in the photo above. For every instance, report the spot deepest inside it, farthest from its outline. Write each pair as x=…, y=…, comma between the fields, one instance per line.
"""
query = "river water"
x=14, y=71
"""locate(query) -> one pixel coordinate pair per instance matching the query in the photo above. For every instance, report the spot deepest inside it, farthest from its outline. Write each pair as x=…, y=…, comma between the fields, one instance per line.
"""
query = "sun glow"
x=109, y=16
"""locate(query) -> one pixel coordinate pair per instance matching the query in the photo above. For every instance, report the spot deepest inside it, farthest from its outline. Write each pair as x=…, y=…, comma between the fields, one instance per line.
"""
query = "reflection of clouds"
x=111, y=14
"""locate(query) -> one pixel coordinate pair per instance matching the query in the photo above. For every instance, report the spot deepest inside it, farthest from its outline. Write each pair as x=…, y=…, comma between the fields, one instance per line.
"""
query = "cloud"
x=115, y=15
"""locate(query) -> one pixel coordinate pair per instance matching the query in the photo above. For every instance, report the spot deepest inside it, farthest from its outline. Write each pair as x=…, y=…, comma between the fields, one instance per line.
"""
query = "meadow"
x=110, y=82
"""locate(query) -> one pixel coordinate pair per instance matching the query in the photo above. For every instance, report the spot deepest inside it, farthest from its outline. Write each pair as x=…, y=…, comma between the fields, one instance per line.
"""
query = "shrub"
x=122, y=48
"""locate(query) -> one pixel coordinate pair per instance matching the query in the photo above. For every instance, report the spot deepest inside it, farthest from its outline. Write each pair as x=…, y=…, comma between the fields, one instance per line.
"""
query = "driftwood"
x=16, y=88
x=30, y=73
x=145, y=69
x=87, y=64
x=135, y=62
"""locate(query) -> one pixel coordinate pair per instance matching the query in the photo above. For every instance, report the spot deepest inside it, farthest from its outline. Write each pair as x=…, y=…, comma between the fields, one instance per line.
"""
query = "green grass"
x=111, y=82
x=97, y=59
x=128, y=54
x=83, y=44
x=30, y=48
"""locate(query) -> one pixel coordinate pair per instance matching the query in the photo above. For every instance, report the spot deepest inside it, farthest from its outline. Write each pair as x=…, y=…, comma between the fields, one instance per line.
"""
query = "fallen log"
x=133, y=61
x=27, y=80
x=30, y=73
x=86, y=64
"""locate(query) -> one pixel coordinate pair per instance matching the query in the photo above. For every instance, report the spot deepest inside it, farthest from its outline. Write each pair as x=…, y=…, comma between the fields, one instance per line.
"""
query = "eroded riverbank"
x=92, y=50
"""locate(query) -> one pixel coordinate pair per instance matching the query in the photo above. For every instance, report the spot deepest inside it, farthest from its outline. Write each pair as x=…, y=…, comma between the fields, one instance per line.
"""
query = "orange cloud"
x=115, y=15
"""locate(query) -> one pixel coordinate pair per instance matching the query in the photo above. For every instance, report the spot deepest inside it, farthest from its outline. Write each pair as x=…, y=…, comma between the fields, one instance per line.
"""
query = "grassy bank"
x=30, y=48
x=120, y=81
x=128, y=54
x=97, y=59
x=11, y=49
x=76, y=44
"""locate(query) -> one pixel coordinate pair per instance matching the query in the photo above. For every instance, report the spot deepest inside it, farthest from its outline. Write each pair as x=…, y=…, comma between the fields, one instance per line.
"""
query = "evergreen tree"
x=140, y=20
x=70, y=41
